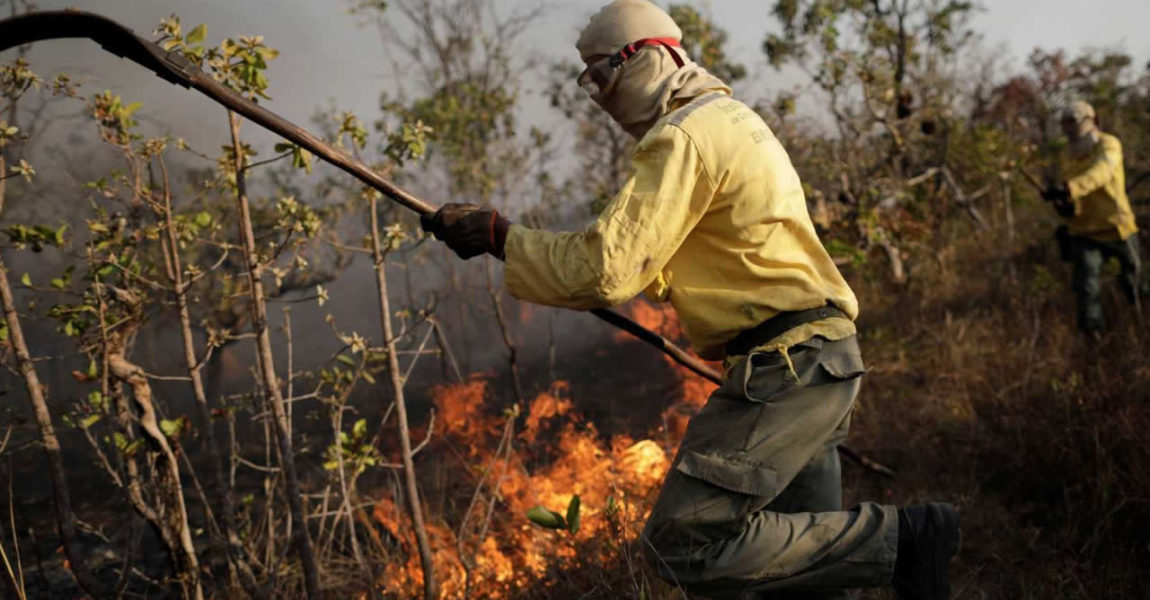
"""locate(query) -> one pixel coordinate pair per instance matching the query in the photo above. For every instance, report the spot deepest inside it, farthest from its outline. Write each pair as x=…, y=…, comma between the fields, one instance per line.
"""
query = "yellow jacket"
x=713, y=219
x=1101, y=208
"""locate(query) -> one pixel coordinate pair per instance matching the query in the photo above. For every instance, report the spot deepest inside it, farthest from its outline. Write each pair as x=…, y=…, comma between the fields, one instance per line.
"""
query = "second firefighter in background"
x=1099, y=221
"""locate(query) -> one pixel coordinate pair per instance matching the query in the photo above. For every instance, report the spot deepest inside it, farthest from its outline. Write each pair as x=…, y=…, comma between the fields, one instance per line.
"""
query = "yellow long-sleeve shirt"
x=1098, y=190
x=713, y=219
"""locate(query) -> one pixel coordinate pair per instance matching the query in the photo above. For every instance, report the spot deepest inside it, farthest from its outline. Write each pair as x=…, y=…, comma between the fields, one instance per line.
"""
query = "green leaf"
x=345, y=359
x=90, y=420
x=26, y=280
x=203, y=219
x=359, y=430
x=131, y=449
x=3, y=332
x=171, y=427
x=573, y=514
x=546, y=518
x=301, y=159
x=197, y=35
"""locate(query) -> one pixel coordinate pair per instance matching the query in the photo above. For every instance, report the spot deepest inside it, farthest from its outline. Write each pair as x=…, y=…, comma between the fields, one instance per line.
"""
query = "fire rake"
x=175, y=68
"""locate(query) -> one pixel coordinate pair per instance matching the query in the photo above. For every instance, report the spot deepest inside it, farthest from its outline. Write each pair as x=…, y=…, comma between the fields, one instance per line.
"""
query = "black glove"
x=1059, y=196
x=467, y=229
x=1056, y=193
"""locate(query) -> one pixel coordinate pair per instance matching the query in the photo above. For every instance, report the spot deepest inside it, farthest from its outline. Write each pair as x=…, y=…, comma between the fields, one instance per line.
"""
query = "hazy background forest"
x=399, y=415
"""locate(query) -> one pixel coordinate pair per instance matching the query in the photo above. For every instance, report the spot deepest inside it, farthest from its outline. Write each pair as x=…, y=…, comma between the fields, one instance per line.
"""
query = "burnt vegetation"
x=199, y=400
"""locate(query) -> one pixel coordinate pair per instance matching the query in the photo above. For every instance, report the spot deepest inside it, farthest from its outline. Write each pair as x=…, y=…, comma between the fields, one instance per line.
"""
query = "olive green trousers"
x=752, y=506
x=1089, y=256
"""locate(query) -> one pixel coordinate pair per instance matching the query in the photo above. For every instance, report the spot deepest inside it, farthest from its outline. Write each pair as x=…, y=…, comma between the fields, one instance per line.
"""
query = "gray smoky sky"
x=328, y=58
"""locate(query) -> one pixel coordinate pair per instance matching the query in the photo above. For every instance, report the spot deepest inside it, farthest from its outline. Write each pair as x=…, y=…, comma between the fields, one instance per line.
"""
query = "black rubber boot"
x=928, y=538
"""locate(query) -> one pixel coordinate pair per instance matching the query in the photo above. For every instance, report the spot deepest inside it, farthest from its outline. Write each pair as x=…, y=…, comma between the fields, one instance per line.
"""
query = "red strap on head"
x=494, y=218
x=670, y=43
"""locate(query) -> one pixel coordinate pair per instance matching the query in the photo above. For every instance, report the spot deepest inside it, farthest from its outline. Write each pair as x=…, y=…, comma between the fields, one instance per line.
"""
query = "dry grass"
x=985, y=394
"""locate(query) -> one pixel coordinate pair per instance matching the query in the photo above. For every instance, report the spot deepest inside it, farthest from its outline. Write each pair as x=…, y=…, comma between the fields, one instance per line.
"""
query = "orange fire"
x=693, y=389
x=553, y=455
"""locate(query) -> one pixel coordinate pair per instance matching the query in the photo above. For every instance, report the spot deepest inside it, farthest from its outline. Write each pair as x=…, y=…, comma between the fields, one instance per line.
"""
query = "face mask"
x=1082, y=134
x=599, y=78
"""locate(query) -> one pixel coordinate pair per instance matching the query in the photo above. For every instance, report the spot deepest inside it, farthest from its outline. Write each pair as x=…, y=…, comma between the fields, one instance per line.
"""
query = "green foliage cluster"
x=463, y=119
x=549, y=519
x=154, y=252
x=239, y=63
x=35, y=237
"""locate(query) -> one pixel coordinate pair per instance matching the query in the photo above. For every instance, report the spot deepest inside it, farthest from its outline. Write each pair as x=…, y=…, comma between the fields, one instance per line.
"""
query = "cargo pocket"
x=736, y=475
x=770, y=374
x=842, y=360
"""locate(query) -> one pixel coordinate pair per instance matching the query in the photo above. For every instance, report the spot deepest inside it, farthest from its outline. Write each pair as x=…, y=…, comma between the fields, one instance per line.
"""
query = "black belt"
x=777, y=325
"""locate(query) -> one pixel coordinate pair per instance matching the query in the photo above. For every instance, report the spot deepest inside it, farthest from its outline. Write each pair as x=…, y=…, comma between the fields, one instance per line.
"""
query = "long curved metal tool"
x=175, y=68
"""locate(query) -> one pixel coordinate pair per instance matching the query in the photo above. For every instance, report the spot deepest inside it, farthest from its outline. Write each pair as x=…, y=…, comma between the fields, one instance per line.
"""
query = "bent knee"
x=666, y=544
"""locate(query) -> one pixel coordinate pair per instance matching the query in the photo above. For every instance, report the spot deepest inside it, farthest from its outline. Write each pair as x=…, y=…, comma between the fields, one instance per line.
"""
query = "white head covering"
x=1087, y=135
x=651, y=80
x=1079, y=111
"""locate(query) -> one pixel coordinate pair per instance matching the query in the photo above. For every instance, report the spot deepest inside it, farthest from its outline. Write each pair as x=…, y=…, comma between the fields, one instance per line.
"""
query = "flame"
x=693, y=390
x=461, y=409
x=546, y=406
x=660, y=318
x=552, y=456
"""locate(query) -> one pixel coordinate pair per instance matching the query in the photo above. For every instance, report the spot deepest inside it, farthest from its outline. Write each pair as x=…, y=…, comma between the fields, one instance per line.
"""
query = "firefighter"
x=713, y=220
x=1099, y=222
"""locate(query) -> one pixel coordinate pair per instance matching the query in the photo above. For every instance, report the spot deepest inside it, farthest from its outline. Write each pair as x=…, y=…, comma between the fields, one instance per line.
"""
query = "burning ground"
x=506, y=460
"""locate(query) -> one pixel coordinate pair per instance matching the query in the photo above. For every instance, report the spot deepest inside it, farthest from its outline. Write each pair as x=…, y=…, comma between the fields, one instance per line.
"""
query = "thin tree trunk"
x=300, y=536
x=897, y=268
x=445, y=349
x=289, y=391
x=65, y=518
x=411, y=486
x=174, y=513
x=195, y=372
x=504, y=328
x=133, y=490
x=269, y=500
x=1009, y=201
x=345, y=491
